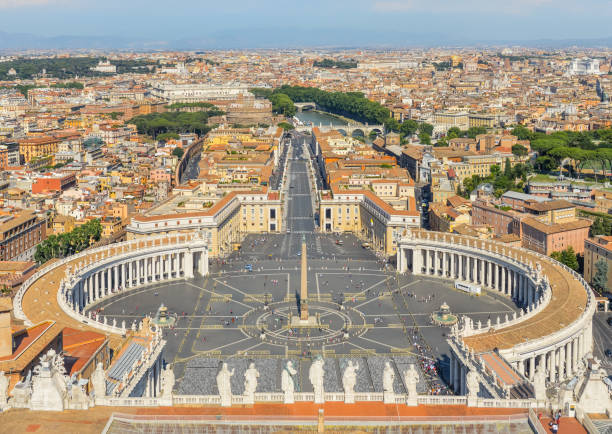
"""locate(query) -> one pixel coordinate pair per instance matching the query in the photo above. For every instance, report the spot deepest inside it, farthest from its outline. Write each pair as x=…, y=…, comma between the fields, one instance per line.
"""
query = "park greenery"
x=512, y=178
x=156, y=124
x=67, y=68
x=574, y=151
x=282, y=104
x=331, y=63
x=25, y=88
x=352, y=105
x=165, y=137
x=69, y=243
x=567, y=257
x=445, y=66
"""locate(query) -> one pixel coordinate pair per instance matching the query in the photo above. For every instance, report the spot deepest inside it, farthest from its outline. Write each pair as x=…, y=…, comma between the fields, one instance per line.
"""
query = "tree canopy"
x=600, y=279
x=353, y=105
x=69, y=243
x=331, y=63
x=567, y=257
x=173, y=122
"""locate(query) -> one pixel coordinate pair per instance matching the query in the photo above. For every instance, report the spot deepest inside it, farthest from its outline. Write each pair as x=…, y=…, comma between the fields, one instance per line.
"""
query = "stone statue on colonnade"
x=316, y=374
x=388, y=379
x=250, y=383
x=224, y=385
x=349, y=379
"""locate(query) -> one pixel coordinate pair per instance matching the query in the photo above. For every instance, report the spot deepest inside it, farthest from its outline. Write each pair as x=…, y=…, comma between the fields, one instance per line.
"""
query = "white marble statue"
x=388, y=378
x=315, y=375
x=411, y=377
x=539, y=383
x=287, y=383
x=4, y=384
x=250, y=383
x=98, y=381
x=224, y=385
x=473, y=384
x=349, y=379
x=168, y=381
x=48, y=386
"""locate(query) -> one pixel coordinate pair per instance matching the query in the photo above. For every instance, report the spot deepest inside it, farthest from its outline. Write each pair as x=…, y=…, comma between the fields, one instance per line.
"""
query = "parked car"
x=608, y=353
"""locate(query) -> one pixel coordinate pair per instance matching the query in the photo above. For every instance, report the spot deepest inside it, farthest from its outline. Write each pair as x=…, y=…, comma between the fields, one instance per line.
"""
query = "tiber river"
x=319, y=118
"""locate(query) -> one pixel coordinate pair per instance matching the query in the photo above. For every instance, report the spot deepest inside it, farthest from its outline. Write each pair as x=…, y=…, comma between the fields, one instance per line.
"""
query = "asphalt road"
x=602, y=339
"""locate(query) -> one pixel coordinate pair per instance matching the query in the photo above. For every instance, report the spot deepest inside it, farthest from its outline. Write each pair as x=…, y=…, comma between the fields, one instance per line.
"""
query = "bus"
x=466, y=287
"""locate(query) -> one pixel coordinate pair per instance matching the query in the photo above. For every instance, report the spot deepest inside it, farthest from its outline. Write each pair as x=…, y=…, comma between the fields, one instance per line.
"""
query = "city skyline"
x=66, y=24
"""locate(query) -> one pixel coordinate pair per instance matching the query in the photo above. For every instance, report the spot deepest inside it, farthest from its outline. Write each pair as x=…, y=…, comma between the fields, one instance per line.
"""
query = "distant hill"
x=276, y=38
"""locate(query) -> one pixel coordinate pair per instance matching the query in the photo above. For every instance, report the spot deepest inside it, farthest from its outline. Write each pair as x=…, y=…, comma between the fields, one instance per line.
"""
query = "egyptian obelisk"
x=304, y=281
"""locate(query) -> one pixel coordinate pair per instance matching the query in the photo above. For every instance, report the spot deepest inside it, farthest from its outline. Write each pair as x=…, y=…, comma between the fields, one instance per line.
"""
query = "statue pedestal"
x=310, y=321
x=304, y=313
x=349, y=398
x=412, y=401
x=226, y=400
x=249, y=398
x=389, y=397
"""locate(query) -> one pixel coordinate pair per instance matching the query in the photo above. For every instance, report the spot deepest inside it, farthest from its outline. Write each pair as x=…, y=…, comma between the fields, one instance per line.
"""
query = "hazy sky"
x=313, y=22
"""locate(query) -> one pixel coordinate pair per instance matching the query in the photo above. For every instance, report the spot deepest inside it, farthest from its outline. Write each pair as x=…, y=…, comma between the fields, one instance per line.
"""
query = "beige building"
x=224, y=223
x=364, y=214
x=594, y=250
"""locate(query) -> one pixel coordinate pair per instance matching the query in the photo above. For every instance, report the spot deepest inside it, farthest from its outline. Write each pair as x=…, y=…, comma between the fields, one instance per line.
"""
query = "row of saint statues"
x=316, y=375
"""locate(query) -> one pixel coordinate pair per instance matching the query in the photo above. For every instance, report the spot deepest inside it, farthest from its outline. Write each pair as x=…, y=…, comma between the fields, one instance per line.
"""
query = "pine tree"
x=600, y=279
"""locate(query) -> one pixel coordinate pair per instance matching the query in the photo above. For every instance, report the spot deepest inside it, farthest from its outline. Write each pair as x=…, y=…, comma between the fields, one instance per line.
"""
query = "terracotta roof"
x=549, y=205
x=557, y=227
x=31, y=342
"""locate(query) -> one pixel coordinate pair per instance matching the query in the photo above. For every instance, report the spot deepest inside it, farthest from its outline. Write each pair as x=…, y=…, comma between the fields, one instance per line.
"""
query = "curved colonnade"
x=553, y=331
x=73, y=284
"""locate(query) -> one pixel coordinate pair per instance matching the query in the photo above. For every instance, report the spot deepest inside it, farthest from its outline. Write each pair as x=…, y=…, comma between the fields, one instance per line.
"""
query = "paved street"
x=602, y=339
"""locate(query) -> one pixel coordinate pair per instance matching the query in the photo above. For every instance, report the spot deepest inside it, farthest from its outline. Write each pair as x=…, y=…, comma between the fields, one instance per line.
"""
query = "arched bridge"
x=300, y=106
x=355, y=129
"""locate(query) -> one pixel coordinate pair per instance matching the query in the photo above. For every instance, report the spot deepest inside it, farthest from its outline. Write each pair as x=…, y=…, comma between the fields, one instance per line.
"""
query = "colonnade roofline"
x=551, y=320
x=44, y=295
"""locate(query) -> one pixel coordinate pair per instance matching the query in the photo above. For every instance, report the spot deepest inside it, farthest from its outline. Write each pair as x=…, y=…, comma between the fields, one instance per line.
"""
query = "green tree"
x=545, y=164
x=519, y=150
x=600, y=279
x=286, y=126
x=472, y=132
x=495, y=170
x=522, y=133
x=425, y=138
x=392, y=124
x=168, y=136
x=507, y=168
x=454, y=132
x=567, y=257
x=424, y=127
x=282, y=104
x=408, y=128
x=178, y=152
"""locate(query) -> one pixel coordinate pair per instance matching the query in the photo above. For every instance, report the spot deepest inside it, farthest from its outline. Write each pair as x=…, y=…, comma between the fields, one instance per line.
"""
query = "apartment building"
x=224, y=223
x=553, y=226
x=366, y=215
x=20, y=234
x=596, y=249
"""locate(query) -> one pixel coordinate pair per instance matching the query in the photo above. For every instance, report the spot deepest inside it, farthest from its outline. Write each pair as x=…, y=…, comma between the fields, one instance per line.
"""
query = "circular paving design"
x=278, y=323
